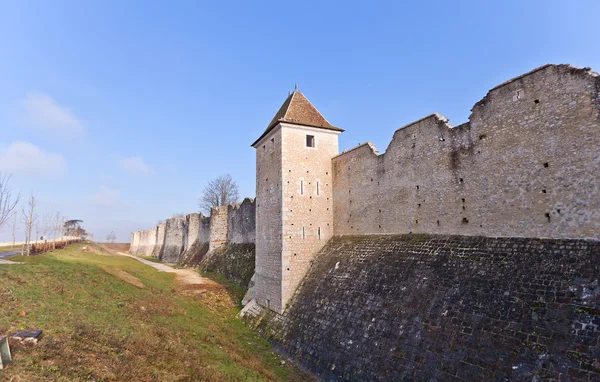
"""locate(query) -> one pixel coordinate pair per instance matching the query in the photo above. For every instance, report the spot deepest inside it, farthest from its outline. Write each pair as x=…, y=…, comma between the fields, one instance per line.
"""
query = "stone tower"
x=294, y=198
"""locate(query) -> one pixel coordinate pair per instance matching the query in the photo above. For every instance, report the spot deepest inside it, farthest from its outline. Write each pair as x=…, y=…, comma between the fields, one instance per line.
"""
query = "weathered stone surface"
x=219, y=223
x=175, y=231
x=522, y=166
x=419, y=307
x=294, y=214
x=146, y=242
x=135, y=242
x=160, y=240
x=241, y=225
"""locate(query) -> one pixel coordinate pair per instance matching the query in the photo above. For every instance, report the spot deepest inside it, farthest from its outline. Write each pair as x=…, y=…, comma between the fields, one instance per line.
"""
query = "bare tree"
x=111, y=237
x=29, y=218
x=8, y=202
x=178, y=215
x=14, y=229
x=220, y=191
x=56, y=224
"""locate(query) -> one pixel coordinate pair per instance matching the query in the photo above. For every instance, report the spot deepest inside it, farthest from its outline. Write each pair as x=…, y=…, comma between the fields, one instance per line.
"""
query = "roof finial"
x=296, y=88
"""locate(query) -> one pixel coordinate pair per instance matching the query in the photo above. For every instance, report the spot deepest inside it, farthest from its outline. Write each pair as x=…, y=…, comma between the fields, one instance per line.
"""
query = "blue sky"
x=119, y=112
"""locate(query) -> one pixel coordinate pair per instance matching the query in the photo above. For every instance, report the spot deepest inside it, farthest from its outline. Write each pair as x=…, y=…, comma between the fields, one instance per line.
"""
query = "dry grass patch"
x=122, y=275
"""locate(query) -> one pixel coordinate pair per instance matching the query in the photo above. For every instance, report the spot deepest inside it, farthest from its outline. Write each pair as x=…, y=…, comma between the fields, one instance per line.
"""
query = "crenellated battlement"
x=517, y=168
x=187, y=240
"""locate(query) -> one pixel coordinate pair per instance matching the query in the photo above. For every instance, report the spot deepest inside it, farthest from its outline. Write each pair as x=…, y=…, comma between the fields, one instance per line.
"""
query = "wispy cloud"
x=135, y=165
x=43, y=112
x=106, y=197
x=29, y=159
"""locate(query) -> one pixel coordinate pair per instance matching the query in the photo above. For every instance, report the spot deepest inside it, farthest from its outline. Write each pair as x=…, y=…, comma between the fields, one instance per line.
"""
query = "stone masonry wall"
x=160, y=240
x=521, y=166
x=135, y=241
x=147, y=242
x=219, y=223
x=438, y=307
x=193, y=224
x=268, y=220
x=175, y=235
x=306, y=201
x=187, y=241
x=242, y=221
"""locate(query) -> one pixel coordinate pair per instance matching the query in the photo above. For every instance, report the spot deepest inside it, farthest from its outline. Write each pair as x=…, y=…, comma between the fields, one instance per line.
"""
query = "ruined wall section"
x=440, y=307
x=135, y=242
x=147, y=242
x=160, y=240
x=175, y=235
x=522, y=166
x=188, y=240
x=197, y=239
x=242, y=222
x=219, y=222
x=193, y=224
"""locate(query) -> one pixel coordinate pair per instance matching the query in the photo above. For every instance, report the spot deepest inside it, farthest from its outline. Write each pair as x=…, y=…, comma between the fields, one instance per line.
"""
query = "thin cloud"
x=106, y=197
x=135, y=165
x=27, y=158
x=43, y=112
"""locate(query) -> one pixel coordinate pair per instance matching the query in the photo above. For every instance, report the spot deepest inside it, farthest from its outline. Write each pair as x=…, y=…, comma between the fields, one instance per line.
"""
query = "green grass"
x=99, y=326
x=149, y=258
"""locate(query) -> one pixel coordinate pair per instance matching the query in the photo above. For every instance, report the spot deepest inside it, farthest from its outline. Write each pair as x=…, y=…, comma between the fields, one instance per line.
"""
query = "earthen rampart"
x=443, y=307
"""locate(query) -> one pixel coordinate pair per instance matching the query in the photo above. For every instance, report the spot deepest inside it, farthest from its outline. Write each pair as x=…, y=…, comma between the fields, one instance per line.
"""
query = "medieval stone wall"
x=175, y=235
x=160, y=240
x=522, y=166
x=188, y=240
x=242, y=222
x=146, y=243
x=135, y=242
x=219, y=224
x=268, y=220
x=440, y=307
x=193, y=224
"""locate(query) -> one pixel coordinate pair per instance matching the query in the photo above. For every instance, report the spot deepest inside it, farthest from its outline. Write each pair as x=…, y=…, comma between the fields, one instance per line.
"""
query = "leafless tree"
x=29, y=218
x=56, y=225
x=8, y=201
x=160, y=222
x=14, y=229
x=111, y=237
x=220, y=191
x=178, y=215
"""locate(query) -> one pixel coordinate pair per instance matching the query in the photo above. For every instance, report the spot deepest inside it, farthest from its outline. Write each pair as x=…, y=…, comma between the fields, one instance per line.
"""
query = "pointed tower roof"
x=298, y=110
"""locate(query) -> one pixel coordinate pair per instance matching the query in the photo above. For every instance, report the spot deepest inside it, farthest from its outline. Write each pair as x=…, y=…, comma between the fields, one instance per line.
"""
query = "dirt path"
x=8, y=262
x=184, y=276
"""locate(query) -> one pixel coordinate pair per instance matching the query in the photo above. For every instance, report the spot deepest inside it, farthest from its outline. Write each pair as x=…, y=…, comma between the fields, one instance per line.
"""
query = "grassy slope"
x=99, y=327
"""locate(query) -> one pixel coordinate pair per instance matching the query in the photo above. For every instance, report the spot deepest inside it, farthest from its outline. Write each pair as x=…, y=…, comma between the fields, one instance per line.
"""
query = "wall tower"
x=294, y=198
